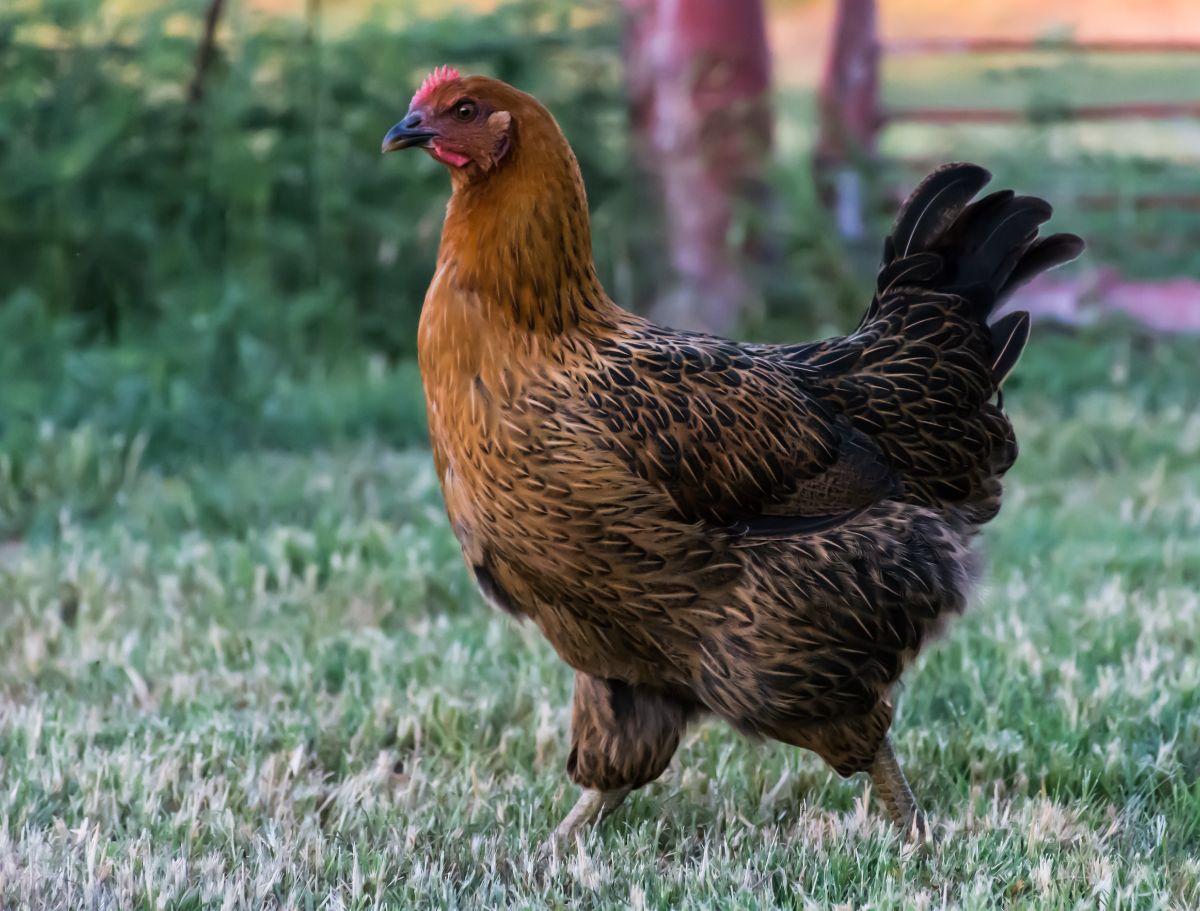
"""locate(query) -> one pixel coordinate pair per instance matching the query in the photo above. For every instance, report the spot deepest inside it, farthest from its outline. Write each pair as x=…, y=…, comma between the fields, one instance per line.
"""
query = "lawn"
x=269, y=683
x=241, y=663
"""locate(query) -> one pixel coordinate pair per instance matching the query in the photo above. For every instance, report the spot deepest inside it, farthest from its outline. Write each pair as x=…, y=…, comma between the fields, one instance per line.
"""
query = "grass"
x=240, y=668
x=269, y=683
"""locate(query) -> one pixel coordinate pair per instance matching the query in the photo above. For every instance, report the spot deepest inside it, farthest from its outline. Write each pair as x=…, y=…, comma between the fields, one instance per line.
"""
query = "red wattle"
x=451, y=158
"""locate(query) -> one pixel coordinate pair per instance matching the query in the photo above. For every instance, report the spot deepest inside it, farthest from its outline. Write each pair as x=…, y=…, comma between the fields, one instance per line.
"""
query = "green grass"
x=269, y=683
x=241, y=664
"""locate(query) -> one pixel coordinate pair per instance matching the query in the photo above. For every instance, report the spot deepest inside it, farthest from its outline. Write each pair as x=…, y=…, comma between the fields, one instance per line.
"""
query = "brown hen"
x=765, y=533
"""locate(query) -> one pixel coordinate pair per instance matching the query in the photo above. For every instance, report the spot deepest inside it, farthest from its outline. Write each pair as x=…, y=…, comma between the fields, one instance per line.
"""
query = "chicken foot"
x=592, y=807
x=896, y=795
x=622, y=737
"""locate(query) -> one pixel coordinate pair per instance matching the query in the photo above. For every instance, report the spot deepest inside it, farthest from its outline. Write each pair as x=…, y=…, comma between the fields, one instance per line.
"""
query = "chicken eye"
x=464, y=111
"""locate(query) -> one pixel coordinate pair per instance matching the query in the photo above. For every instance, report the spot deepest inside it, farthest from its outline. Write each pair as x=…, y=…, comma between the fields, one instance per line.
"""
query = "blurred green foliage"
x=169, y=263
x=185, y=277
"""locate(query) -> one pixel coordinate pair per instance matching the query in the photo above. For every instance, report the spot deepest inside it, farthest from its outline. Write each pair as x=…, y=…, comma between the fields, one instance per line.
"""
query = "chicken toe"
x=592, y=807
x=896, y=795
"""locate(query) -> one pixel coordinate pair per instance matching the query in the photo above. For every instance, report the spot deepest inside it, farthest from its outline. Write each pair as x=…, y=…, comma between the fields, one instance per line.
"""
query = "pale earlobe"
x=500, y=127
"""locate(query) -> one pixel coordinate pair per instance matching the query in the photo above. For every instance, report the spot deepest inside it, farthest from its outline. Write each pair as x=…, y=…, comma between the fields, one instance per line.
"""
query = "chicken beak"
x=407, y=133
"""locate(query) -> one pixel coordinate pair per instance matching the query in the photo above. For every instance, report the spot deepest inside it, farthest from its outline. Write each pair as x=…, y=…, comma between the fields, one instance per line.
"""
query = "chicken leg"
x=622, y=737
x=592, y=807
x=896, y=795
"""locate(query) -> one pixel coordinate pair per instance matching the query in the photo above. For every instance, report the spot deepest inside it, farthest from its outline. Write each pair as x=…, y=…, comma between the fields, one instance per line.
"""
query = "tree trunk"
x=205, y=52
x=849, y=115
x=699, y=75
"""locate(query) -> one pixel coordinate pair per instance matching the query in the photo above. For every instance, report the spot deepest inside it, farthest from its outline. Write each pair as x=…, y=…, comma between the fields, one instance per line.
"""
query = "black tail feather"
x=1009, y=336
x=934, y=206
x=980, y=251
x=1042, y=256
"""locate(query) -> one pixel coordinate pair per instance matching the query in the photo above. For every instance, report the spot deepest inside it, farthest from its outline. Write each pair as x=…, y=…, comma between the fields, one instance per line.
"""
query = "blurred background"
x=241, y=663
x=202, y=248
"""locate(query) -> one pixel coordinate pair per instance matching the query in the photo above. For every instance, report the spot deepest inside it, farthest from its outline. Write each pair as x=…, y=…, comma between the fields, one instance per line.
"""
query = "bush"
x=128, y=205
x=173, y=263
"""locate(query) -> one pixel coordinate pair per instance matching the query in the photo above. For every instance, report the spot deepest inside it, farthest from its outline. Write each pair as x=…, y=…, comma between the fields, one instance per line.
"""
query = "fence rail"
x=1133, y=111
x=852, y=114
x=923, y=46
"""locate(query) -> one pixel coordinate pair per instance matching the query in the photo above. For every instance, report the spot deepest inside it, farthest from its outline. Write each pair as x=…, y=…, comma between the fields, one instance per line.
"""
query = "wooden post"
x=849, y=112
x=699, y=76
x=205, y=51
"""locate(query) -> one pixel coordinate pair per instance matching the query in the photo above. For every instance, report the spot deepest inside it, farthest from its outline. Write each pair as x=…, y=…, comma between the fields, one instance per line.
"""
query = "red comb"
x=432, y=81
